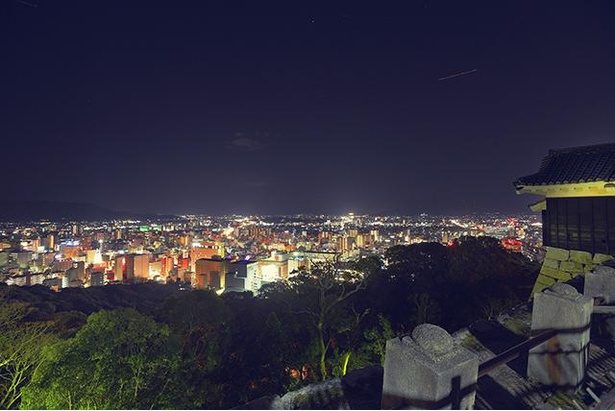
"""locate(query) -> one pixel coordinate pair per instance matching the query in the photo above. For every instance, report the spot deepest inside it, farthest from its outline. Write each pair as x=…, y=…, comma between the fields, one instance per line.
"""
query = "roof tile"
x=574, y=165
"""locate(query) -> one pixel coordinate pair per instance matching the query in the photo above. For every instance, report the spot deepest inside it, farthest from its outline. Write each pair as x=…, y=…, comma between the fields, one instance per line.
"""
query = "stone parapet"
x=600, y=283
x=562, y=360
x=428, y=371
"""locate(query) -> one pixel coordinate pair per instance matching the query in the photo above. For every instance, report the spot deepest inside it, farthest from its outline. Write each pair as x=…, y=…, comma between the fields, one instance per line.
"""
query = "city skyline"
x=432, y=106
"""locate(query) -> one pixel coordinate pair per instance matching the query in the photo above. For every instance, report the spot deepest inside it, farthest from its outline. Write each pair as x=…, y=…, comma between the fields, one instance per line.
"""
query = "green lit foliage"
x=374, y=344
x=120, y=359
x=21, y=350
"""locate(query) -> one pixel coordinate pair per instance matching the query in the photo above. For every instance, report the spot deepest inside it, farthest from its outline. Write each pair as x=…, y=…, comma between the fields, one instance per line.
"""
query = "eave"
x=539, y=205
x=590, y=189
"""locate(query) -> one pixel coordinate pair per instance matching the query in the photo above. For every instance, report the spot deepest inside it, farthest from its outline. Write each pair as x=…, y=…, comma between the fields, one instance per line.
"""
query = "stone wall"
x=562, y=265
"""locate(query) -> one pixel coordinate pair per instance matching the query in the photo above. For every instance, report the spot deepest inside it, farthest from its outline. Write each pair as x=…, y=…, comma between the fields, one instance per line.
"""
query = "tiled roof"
x=574, y=165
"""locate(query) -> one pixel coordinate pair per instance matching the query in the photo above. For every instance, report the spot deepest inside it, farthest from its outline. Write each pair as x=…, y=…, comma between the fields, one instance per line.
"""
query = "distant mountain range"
x=56, y=210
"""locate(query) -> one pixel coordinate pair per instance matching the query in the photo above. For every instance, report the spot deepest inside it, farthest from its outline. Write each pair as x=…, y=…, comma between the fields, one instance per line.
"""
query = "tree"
x=197, y=318
x=264, y=348
x=198, y=321
x=320, y=294
x=411, y=271
x=374, y=348
x=427, y=310
x=120, y=359
x=21, y=351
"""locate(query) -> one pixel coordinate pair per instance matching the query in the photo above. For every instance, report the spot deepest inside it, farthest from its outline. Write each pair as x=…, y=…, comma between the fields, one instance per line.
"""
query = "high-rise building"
x=49, y=242
x=97, y=279
x=61, y=265
x=24, y=259
x=243, y=276
x=32, y=245
x=360, y=240
x=155, y=269
x=324, y=236
x=71, y=277
x=4, y=258
x=93, y=256
x=375, y=235
x=185, y=240
x=119, y=268
x=70, y=249
x=345, y=243
x=78, y=270
x=274, y=268
x=137, y=268
x=210, y=273
x=205, y=249
x=166, y=265
x=183, y=263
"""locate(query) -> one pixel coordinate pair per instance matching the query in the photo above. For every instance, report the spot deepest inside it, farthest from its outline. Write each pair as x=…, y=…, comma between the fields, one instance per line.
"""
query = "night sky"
x=209, y=107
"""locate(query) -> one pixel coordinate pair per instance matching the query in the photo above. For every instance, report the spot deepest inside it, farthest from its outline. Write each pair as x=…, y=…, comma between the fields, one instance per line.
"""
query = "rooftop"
x=243, y=262
x=574, y=165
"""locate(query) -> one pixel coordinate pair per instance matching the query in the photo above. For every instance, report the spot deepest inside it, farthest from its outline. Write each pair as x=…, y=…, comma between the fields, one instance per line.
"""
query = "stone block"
x=561, y=360
x=572, y=267
x=428, y=371
x=555, y=273
x=588, y=267
x=328, y=395
x=601, y=258
x=548, y=281
x=600, y=285
x=559, y=254
x=551, y=263
x=583, y=257
x=604, y=270
x=542, y=282
x=538, y=287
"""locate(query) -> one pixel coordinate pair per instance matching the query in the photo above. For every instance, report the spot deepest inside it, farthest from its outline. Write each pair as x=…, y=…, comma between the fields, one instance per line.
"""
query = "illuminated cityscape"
x=307, y=205
x=238, y=253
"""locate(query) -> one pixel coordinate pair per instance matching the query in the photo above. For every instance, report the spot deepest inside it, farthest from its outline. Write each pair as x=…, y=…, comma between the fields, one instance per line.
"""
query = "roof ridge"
x=583, y=149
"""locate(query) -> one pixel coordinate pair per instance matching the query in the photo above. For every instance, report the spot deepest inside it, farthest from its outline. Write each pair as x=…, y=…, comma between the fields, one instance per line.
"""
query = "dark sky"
x=179, y=106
